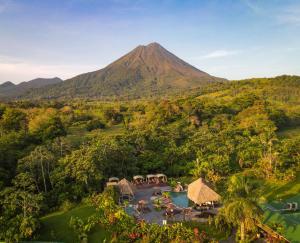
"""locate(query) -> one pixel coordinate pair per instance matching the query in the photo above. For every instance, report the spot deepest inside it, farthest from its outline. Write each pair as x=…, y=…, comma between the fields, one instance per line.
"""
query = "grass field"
x=55, y=226
x=284, y=223
x=275, y=191
x=78, y=134
x=277, y=195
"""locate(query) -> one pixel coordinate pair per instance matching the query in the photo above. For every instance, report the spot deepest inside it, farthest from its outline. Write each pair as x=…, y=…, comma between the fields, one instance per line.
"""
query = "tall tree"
x=241, y=208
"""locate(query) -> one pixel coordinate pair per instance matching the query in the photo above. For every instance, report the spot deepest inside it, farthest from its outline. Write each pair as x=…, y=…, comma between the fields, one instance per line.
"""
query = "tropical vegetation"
x=56, y=154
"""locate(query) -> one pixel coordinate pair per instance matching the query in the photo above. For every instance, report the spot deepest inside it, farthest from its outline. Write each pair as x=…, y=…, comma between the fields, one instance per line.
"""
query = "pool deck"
x=154, y=215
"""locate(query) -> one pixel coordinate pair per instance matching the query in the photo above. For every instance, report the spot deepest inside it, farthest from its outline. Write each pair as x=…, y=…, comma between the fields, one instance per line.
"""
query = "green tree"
x=19, y=208
x=13, y=119
x=241, y=208
x=39, y=164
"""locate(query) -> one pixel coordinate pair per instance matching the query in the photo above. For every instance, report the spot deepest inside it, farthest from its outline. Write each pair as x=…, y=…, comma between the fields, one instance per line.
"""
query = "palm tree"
x=242, y=186
x=243, y=213
x=241, y=208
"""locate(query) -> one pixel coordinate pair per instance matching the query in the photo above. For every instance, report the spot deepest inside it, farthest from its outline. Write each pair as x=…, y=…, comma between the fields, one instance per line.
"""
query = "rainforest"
x=57, y=155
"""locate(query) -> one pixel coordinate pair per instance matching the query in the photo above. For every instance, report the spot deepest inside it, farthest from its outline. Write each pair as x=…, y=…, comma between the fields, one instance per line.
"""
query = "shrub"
x=94, y=124
x=112, y=191
x=67, y=205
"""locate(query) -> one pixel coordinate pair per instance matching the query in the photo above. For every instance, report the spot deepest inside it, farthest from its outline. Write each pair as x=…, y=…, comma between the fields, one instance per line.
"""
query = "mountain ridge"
x=146, y=70
x=10, y=90
x=7, y=84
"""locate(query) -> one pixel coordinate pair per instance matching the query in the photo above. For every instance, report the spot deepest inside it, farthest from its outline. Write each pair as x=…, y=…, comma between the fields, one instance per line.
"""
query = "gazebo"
x=200, y=193
x=112, y=181
x=138, y=179
x=151, y=179
x=127, y=189
x=162, y=178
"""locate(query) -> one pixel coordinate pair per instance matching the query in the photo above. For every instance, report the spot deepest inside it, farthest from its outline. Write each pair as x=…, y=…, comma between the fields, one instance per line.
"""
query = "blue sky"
x=233, y=39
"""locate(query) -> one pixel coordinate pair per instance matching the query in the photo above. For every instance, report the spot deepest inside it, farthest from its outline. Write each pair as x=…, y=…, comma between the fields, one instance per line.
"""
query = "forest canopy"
x=57, y=152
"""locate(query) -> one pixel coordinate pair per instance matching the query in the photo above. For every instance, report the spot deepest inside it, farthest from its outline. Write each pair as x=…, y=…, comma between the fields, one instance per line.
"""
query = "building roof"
x=161, y=175
x=126, y=187
x=112, y=183
x=113, y=179
x=138, y=177
x=199, y=192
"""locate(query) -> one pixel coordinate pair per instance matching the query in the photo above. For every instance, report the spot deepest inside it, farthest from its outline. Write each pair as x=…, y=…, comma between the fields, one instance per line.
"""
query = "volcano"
x=145, y=71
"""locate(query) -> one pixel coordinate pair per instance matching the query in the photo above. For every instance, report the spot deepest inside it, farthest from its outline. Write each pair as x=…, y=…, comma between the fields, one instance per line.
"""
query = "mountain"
x=7, y=84
x=146, y=70
x=10, y=90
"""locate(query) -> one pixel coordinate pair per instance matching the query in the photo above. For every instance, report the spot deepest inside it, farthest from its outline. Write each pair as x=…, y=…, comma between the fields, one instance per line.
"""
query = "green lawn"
x=275, y=191
x=113, y=130
x=55, y=226
x=77, y=134
x=277, y=195
x=288, y=224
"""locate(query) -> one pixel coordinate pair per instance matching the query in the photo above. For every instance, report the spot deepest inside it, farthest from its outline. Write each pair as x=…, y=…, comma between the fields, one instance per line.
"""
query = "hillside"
x=59, y=154
x=11, y=90
x=145, y=71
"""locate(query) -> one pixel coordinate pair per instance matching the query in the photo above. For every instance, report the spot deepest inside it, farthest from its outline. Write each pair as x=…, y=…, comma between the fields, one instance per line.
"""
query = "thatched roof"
x=161, y=175
x=126, y=187
x=199, y=192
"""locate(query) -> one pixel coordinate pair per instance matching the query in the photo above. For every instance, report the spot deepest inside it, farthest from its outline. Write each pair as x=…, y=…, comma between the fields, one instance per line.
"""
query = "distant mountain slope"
x=7, y=84
x=10, y=90
x=146, y=70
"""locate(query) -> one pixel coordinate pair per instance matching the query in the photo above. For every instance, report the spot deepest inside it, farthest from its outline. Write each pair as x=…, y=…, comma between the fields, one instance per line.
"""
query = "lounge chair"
x=172, y=211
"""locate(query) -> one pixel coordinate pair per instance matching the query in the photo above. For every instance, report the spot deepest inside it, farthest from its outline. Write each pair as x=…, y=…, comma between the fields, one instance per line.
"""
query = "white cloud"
x=283, y=13
x=253, y=6
x=17, y=70
x=218, y=54
x=221, y=53
x=290, y=15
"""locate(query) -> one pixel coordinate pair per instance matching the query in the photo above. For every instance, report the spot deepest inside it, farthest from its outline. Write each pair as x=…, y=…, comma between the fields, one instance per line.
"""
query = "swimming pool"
x=129, y=209
x=180, y=199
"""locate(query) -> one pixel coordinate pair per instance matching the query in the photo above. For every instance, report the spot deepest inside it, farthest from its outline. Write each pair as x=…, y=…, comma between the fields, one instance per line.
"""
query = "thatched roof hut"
x=199, y=192
x=126, y=187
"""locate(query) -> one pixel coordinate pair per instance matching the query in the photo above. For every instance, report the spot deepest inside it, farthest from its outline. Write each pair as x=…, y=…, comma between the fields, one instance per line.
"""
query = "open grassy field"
x=78, y=134
x=275, y=191
x=277, y=195
x=285, y=223
x=55, y=226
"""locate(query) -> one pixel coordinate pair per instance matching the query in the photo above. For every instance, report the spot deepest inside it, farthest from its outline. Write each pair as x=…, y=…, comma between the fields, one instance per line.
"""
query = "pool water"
x=180, y=199
x=129, y=210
